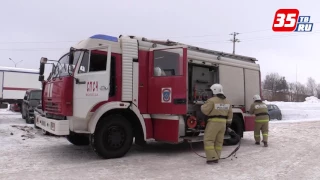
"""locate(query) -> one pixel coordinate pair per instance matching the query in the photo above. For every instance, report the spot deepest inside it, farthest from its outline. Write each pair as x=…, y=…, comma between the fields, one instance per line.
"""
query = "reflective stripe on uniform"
x=264, y=120
x=257, y=135
x=209, y=148
x=264, y=134
x=217, y=120
x=218, y=147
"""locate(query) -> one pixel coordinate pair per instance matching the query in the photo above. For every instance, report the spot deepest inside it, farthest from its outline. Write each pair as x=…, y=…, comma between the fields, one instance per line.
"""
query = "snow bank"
x=308, y=110
x=312, y=99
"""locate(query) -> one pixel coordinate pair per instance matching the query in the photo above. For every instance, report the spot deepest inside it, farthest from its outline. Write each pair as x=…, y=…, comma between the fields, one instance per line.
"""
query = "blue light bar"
x=104, y=37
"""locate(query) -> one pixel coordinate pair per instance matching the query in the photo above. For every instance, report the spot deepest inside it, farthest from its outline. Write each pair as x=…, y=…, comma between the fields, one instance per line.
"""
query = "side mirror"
x=41, y=70
x=71, y=56
x=43, y=61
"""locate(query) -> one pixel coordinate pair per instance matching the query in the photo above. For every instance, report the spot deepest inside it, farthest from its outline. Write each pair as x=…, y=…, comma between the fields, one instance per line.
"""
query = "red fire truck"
x=110, y=91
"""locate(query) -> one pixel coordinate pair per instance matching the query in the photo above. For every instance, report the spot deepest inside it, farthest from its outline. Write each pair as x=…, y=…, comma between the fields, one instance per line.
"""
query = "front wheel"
x=113, y=137
x=23, y=116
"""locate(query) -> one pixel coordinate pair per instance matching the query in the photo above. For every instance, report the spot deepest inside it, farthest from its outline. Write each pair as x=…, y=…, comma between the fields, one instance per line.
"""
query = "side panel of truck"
x=252, y=85
x=232, y=80
x=16, y=83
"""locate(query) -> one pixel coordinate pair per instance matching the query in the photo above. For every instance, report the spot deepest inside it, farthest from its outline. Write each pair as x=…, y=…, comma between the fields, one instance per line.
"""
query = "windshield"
x=62, y=67
x=35, y=95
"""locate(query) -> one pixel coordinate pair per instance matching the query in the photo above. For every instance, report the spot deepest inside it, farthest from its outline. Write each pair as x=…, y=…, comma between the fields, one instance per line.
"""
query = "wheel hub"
x=115, y=137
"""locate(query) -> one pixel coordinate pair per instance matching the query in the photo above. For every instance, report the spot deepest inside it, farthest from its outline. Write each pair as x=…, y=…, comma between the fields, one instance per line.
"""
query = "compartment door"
x=167, y=87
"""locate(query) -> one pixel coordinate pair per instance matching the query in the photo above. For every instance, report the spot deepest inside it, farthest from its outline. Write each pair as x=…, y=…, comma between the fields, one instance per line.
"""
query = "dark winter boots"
x=212, y=161
x=265, y=144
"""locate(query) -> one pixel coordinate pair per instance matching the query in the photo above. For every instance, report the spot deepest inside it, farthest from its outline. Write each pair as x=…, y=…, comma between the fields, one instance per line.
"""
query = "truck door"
x=167, y=86
x=92, y=87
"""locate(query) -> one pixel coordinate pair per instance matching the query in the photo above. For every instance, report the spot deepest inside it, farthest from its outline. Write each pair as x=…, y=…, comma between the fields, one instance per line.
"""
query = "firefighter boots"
x=257, y=143
x=212, y=161
x=265, y=144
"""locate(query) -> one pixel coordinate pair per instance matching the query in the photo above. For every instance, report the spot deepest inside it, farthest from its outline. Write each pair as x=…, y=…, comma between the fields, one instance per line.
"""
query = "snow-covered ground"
x=293, y=153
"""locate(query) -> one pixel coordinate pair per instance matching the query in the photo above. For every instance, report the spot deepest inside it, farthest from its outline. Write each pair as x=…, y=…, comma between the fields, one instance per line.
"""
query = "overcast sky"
x=59, y=24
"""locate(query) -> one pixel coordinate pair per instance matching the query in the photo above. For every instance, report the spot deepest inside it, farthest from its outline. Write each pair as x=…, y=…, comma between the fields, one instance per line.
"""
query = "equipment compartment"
x=199, y=81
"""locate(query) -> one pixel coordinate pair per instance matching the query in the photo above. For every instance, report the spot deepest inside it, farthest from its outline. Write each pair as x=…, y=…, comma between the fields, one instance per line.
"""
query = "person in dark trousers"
x=220, y=114
x=260, y=110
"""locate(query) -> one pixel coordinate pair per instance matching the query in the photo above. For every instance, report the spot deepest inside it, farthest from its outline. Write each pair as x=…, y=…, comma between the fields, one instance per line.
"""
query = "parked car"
x=15, y=107
x=274, y=112
x=31, y=100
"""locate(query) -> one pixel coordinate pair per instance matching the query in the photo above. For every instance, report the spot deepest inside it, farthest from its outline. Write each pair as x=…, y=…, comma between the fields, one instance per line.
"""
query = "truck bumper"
x=56, y=127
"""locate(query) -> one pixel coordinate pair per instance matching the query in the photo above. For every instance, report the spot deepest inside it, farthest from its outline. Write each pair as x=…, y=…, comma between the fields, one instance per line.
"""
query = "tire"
x=28, y=121
x=78, y=140
x=238, y=128
x=114, y=128
x=279, y=117
x=23, y=117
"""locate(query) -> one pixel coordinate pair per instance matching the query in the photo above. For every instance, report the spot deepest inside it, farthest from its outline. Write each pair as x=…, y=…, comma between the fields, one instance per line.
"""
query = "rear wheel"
x=279, y=117
x=113, y=137
x=236, y=126
x=78, y=139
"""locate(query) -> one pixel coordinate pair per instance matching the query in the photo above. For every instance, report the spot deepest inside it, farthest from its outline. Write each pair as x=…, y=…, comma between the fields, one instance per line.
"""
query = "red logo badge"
x=285, y=20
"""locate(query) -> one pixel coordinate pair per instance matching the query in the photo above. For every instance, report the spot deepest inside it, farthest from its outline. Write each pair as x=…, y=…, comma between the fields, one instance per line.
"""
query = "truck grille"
x=52, y=107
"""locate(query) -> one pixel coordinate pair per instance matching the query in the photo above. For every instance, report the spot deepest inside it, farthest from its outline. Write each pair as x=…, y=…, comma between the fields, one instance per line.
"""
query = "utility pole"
x=234, y=40
x=15, y=64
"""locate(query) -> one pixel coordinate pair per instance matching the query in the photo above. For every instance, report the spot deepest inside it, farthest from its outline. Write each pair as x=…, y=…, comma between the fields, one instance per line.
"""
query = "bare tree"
x=277, y=85
x=318, y=91
x=271, y=81
x=311, y=86
x=292, y=91
x=302, y=92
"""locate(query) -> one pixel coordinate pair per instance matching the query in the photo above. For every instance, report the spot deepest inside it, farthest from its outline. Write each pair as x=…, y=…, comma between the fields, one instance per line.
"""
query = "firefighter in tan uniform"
x=260, y=110
x=220, y=114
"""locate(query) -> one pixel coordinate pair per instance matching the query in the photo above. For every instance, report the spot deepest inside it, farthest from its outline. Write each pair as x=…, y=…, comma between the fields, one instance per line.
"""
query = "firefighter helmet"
x=256, y=97
x=216, y=89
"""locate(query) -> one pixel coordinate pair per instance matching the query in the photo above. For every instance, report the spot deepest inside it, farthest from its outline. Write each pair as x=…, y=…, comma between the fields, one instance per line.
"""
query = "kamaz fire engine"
x=110, y=91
